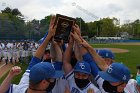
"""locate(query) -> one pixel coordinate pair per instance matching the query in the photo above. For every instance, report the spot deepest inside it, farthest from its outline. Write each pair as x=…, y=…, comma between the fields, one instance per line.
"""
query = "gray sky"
x=89, y=10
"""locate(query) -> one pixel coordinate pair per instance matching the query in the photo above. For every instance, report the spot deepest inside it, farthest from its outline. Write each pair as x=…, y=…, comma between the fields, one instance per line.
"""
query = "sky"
x=88, y=10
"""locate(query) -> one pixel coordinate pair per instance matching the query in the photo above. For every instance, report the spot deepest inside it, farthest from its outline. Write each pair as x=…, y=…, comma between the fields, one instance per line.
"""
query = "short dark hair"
x=33, y=84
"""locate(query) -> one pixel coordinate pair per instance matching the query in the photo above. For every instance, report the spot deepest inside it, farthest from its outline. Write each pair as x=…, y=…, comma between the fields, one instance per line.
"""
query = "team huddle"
x=75, y=67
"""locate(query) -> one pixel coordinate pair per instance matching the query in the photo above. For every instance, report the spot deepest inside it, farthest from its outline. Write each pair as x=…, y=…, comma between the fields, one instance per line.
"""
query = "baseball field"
x=126, y=53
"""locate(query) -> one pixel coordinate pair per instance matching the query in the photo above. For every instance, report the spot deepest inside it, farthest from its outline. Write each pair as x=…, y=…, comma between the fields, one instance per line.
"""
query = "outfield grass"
x=130, y=59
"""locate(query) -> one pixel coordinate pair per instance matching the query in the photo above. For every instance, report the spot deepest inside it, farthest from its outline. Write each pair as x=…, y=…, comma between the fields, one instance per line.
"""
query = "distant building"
x=125, y=35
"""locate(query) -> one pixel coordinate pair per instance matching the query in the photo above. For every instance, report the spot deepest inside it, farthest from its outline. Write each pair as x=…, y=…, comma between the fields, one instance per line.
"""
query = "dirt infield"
x=127, y=43
x=4, y=68
x=118, y=50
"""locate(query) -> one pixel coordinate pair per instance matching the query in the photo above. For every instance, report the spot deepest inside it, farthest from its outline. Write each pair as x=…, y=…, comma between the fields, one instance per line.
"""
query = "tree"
x=44, y=25
x=16, y=12
x=83, y=26
x=6, y=10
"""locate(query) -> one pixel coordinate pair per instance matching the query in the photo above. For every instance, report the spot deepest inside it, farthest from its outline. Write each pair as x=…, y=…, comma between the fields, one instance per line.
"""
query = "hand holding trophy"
x=63, y=27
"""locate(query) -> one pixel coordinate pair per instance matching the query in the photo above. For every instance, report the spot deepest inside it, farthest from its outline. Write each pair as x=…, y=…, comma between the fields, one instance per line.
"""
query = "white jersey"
x=1, y=52
x=75, y=89
x=5, y=52
x=100, y=81
x=22, y=86
x=60, y=85
x=20, y=48
x=131, y=87
x=2, y=45
x=33, y=47
x=14, y=47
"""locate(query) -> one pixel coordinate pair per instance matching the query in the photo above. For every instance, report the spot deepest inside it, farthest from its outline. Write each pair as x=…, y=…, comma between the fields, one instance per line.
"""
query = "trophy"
x=63, y=27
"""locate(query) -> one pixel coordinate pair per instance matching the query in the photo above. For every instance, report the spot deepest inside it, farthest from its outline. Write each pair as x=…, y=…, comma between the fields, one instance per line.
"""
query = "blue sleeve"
x=34, y=61
x=44, y=38
x=94, y=68
x=58, y=65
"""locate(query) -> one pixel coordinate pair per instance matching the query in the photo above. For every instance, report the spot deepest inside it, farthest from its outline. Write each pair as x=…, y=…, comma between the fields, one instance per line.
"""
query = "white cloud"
x=122, y=9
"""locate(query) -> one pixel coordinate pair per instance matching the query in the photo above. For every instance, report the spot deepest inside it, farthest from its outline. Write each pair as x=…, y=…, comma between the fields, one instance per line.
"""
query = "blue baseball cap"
x=42, y=71
x=83, y=67
x=116, y=72
x=105, y=53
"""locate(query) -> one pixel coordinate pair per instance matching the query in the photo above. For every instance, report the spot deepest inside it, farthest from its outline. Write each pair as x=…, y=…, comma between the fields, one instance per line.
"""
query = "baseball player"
x=133, y=85
x=60, y=83
x=107, y=55
x=33, y=47
x=78, y=78
x=19, y=53
x=1, y=52
x=113, y=78
x=5, y=53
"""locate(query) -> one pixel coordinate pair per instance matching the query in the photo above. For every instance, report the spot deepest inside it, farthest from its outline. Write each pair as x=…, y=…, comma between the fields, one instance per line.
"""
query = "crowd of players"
x=75, y=67
x=13, y=52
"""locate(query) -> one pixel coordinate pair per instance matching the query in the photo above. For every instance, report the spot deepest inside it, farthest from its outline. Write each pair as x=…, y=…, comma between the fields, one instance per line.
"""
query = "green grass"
x=130, y=59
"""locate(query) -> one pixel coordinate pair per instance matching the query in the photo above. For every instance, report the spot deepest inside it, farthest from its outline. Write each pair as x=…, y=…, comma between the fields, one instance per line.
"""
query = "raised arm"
x=57, y=50
x=99, y=60
x=56, y=53
x=78, y=41
x=41, y=49
x=7, y=81
x=67, y=57
x=85, y=54
x=76, y=52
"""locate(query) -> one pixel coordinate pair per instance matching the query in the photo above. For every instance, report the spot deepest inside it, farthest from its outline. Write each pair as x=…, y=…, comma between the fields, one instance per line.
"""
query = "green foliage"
x=82, y=25
x=12, y=25
x=15, y=11
x=12, y=22
x=103, y=27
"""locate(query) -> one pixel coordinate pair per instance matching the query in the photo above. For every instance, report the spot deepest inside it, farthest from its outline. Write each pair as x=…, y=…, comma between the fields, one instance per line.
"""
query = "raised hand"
x=77, y=29
x=52, y=27
x=76, y=37
x=16, y=70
